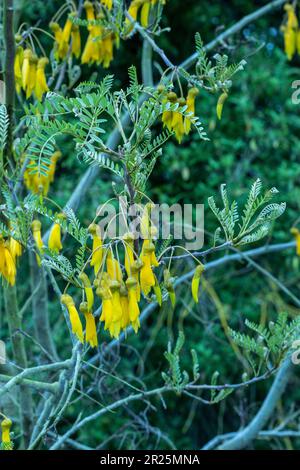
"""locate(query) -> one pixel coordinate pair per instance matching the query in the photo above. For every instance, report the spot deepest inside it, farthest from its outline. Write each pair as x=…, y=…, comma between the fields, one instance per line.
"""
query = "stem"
x=19, y=353
x=9, y=75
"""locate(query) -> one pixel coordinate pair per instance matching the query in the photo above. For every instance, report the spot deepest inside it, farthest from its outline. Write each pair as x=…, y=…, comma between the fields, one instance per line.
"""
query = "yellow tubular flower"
x=90, y=325
x=26, y=68
x=18, y=68
x=32, y=76
x=190, y=101
x=116, y=320
x=146, y=275
x=15, y=248
x=222, y=98
x=36, y=232
x=41, y=86
x=7, y=263
x=107, y=3
x=5, y=427
x=167, y=116
x=133, y=306
x=57, y=31
x=145, y=13
x=113, y=268
x=74, y=316
x=196, y=280
x=89, y=10
x=88, y=290
x=107, y=306
x=125, y=307
x=54, y=242
x=129, y=250
x=76, y=41
x=296, y=233
x=292, y=21
x=177, y=122
x=97, y=250
x=107, y=49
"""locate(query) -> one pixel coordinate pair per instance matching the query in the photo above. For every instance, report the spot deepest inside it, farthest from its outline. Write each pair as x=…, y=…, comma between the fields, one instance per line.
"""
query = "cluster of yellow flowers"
x=39, y=183
x=5, y=438
x=10, y=250
x=100, y=42
x=291, y=32
x=30, y=73
x=143, y=7
x=120, y=292
x=173, y=120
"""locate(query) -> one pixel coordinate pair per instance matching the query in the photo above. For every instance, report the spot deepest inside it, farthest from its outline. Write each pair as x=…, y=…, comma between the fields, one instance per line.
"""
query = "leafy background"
x=257, y=137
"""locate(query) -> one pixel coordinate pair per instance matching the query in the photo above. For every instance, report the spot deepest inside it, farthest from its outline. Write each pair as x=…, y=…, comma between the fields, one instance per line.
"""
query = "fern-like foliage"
x=272, y=343
x=256, y=219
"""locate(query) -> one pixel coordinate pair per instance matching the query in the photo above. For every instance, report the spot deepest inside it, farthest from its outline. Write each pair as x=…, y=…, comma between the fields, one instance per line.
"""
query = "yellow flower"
x=18, y=68
x=107, y=3
x=133, y=306
x=196, y=280
x=6, y=441
x=52, y=166
x=26, y=68
x=41, y=86
x=296, y=233
x=177, y=121
x=133, y=10
x=125, y=307
x=107, y=47
x=113, y=268
x=292, y=21
x=88, y=290
x=129, y=252
x=190, y=101
x=97, y=250
x=7, y=263
x=90, y=325
x=15, y=248
x=76, y=41
x=167, y=116
x=116, y=319
x=57, y=31
x=222, y=98
x=74, y=316
x=36, y=232
x=145, y=13
x=146, y=276
x=32, y=76
x=89, y=9
x=54, y=242
x=107, y=306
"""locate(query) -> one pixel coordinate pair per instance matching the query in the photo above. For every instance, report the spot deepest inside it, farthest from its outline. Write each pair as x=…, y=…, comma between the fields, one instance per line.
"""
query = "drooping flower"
x=107, y=306
x=116, y=319
x=15, y=248
x=88, y=290
x=222, y=98
x=167, y=116
x=32, y=76
x=125, y=307
x=76, y=325
x=190, y=101
x=41, y=86
x=290, y=31
x=5, y=439
x=36, y=232
x=18, y=68
x=76, y=41
x=146, y=275
x=26, y=68
x=113, y=268
x=133, y=306
x=54, y=241
x=129, y=252
x=196, y=280
x=107, y=3
x=145, y=13
x=39, y=183
x=90, y=325
x=97, y=250
x=7, y=264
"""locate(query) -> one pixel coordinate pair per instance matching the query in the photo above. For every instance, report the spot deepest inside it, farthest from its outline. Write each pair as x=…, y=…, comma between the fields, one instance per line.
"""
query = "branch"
x=246, y=436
